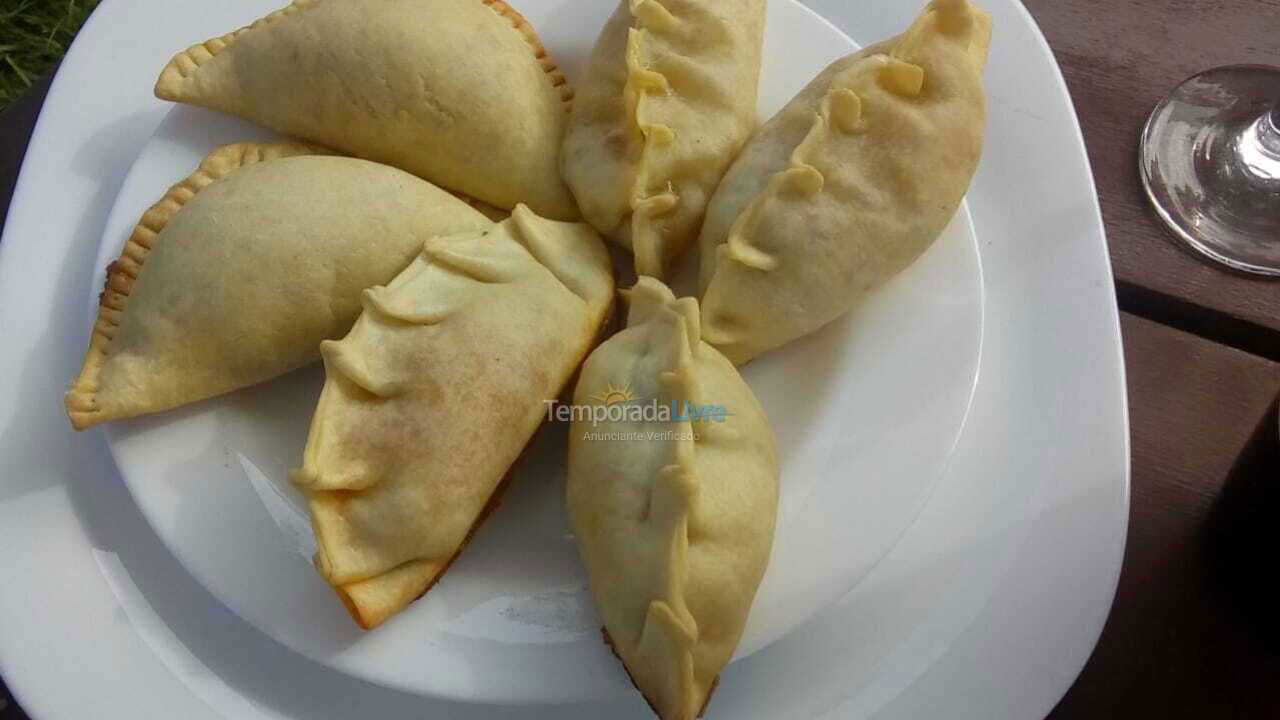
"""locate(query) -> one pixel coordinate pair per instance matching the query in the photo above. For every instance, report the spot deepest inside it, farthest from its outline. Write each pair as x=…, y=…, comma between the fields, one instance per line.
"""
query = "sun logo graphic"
x=614, y=395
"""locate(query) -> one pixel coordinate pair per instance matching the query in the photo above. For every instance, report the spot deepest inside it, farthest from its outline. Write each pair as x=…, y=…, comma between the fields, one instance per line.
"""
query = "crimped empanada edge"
x=608, y=641
x=649, y=297
x=367, y=621
x=839, y=112
x=81, y=400
x=647, y=244
x=526, y=30
x=173, y=78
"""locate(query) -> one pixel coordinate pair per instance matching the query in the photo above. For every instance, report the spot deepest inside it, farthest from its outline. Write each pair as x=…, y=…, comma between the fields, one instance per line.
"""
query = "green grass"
x=34, y=34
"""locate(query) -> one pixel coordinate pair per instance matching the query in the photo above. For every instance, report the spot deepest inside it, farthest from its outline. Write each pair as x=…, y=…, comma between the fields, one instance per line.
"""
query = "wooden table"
x=1120, y=57
x=1192, y=633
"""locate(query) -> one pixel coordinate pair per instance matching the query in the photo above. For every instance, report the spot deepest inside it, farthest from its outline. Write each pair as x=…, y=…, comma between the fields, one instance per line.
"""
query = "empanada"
x=435, y=392
x=668, y=99
x=845, y=187
x=459, y=92
x=240, y=271
x=674, y=514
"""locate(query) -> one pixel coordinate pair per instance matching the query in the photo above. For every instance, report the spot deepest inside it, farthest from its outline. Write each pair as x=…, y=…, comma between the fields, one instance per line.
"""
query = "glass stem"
x=1258, y=148
x=1269, y=132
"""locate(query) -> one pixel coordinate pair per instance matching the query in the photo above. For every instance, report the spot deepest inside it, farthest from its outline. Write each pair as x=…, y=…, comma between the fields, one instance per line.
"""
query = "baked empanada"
x=668, y=99
x=845, y=187
x=459, y=92
x=435, y=392
x=674, y=514
x=240, y=271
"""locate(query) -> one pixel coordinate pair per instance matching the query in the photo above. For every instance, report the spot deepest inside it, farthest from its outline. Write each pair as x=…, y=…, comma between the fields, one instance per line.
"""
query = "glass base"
x=1210, y=163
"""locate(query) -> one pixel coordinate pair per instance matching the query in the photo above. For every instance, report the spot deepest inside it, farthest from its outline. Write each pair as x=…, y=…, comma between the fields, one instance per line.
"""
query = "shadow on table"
x=1242, y=533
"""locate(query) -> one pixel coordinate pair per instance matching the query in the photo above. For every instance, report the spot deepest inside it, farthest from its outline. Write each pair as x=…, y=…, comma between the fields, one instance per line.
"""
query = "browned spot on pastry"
x=614, y=649
x=495, y=499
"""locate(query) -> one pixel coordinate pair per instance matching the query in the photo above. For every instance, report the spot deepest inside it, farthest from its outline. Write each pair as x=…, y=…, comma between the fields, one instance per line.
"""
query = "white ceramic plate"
x=994, y=595
x=867, y=414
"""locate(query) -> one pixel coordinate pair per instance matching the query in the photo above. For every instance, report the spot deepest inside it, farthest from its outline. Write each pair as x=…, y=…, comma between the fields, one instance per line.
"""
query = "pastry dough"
x=435, y=392
x=675, y=518
x=240, y=271
x=459, y=92
x=668, y=100
x=845, y=187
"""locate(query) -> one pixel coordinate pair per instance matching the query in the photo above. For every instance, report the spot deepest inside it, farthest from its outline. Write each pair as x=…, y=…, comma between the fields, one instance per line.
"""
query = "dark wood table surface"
x=1193, y=632
x=1120, y=57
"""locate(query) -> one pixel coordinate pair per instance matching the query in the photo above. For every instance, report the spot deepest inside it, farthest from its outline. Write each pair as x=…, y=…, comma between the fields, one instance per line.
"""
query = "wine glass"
x=1210, y=163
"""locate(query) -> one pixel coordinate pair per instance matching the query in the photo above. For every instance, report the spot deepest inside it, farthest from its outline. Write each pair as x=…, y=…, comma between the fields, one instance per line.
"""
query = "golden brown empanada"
x=674, y=514
x=459, y=92
x=435, y=392
x=240, y=271
x=845, y=187
x=667, y=102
